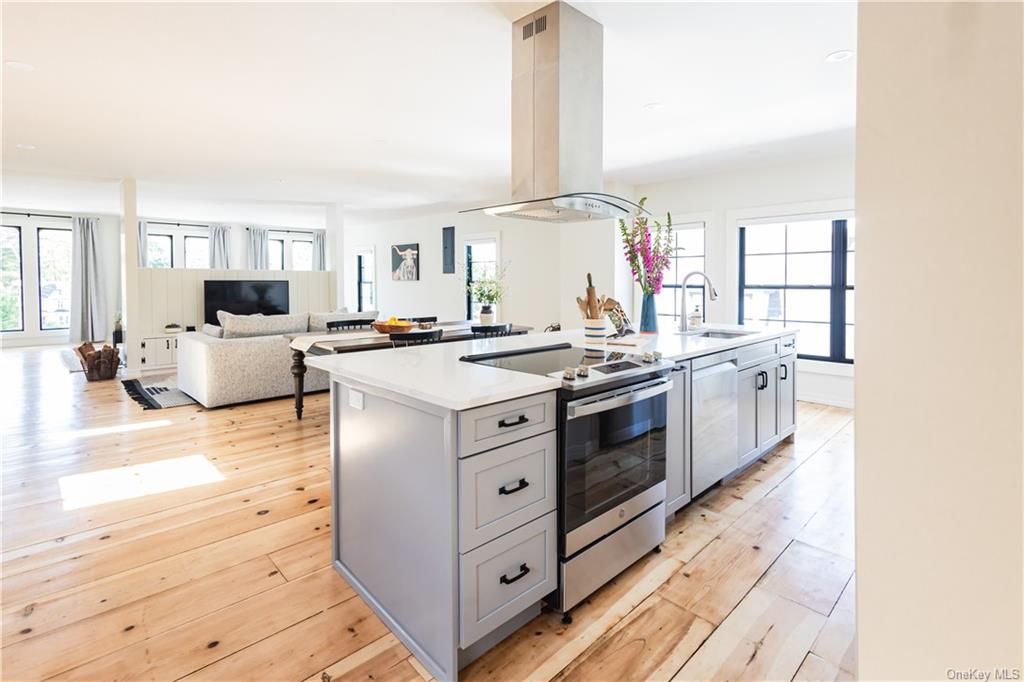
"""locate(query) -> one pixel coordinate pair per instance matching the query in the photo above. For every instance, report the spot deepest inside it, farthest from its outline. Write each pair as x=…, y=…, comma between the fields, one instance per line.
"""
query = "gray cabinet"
x=677, y=441
x=502, y=578
x=768, y=406
x=502, y=489
x=787, y=395
x=747, y=432
x=758, y=410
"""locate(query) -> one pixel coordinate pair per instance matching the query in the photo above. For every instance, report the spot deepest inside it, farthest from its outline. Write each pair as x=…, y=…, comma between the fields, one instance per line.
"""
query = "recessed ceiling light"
x=26, y=147
x=839, y=56
x=652, y=106
x=19, y=66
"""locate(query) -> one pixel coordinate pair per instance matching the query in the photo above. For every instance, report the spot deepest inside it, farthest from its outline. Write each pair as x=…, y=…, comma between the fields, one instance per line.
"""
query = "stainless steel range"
x=611, y=458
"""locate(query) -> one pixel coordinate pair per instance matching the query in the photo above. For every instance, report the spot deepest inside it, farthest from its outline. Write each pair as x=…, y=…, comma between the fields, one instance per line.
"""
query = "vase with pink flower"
x=648, y=253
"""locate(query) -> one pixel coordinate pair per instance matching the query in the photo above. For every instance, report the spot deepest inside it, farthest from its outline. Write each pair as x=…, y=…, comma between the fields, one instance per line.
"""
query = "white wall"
x=722, y=200
x=939, y=410
x=109, y=246
x=529, y=250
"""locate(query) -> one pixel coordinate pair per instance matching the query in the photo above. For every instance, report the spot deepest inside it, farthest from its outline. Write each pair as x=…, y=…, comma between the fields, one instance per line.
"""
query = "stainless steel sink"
x=716, y=334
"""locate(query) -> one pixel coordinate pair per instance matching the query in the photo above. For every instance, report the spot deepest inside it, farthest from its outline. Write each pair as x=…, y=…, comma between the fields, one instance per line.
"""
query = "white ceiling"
x=398, y=107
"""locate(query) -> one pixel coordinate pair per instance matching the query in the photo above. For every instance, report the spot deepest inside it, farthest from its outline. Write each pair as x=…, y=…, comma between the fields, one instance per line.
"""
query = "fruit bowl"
x=392, y=327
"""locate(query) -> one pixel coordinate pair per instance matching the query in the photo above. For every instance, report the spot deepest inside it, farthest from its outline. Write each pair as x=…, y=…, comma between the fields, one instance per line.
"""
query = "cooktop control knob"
x=569, y=373
x=582, y=371
x=648, y=357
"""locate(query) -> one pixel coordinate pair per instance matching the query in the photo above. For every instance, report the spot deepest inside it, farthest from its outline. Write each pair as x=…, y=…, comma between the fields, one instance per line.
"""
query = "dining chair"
x=416, y=338
x=489, y=331
x=348, y=324
x=432, y=318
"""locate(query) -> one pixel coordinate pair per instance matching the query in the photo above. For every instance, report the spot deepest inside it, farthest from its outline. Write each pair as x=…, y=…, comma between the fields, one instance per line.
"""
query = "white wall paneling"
x=176, y=295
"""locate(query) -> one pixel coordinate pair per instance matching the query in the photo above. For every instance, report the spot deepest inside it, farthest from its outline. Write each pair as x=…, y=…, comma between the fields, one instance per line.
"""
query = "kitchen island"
x=448, y=518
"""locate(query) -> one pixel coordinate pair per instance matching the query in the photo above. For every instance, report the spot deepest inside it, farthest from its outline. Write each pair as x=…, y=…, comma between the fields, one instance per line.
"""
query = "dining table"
x=356, y=340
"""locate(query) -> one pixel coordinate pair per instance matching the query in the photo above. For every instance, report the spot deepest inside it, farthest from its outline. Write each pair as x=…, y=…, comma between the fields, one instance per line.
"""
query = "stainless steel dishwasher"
x=715, y=419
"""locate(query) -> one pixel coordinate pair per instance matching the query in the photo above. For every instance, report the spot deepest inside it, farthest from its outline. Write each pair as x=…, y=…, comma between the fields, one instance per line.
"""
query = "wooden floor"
x=229, y=579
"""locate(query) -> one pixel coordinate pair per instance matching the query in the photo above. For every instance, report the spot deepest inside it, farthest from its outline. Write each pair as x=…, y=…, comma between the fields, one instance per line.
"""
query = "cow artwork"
x=405, y=262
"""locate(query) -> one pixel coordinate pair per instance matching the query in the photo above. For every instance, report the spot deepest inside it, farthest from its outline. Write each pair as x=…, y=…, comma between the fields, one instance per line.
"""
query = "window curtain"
x=220, y=247
x=88, y=318
x=319, y=250
x=259, y=249
x=143, y=245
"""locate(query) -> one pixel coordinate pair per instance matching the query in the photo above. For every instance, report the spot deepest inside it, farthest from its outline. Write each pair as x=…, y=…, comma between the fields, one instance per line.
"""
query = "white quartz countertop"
x=433, y=373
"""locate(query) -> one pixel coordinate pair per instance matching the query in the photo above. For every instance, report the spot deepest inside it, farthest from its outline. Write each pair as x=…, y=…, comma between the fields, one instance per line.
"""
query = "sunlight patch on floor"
x=107, y=430
x=125, y=483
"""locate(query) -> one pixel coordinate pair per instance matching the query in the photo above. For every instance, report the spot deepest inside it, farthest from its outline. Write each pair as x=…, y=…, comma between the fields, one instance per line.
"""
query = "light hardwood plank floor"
x=163, y=573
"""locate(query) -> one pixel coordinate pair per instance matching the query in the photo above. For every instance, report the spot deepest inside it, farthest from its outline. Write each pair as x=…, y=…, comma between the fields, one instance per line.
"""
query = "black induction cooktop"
x=548, y=359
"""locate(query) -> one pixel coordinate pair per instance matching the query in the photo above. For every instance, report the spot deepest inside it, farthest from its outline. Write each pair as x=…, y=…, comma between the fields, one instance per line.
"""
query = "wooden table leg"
x=299, y=372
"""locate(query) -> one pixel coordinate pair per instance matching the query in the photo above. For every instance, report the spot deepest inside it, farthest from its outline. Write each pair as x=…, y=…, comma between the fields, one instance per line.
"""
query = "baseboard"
x=824, y=399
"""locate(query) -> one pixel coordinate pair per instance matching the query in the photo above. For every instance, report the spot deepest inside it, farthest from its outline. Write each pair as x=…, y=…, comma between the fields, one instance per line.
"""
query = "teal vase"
x=648, y=315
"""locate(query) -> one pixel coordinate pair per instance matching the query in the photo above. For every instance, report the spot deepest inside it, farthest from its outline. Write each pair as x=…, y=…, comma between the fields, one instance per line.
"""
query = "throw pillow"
x=213, y=330
x=242, y=326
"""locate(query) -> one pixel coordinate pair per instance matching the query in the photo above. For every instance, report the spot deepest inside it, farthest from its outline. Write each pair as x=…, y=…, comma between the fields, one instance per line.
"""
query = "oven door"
x=613, y=460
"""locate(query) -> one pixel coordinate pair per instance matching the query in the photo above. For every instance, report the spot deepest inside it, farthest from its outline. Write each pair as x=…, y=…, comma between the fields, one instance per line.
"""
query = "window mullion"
x=837, y=326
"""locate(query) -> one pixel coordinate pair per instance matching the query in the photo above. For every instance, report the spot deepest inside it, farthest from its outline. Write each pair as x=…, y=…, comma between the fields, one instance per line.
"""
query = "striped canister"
x=596, y=331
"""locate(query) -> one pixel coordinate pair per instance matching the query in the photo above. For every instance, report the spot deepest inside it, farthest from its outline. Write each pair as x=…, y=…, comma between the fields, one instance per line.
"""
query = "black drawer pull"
x=523, y=570
x=521, y=419
x=785, y=372
x=505, y=490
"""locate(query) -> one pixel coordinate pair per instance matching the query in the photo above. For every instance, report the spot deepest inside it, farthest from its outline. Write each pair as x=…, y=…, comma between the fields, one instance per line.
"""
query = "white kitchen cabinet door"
x=748, y=444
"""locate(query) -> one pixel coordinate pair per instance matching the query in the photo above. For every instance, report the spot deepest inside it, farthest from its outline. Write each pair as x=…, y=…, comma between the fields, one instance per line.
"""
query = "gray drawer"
x=504, y=577
x=788, y=345
x=502, y=489
x=748, y=356
x=492, y=426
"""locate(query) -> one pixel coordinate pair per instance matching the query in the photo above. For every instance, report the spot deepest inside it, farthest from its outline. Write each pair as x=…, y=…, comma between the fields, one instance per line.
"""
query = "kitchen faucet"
x=713, y=295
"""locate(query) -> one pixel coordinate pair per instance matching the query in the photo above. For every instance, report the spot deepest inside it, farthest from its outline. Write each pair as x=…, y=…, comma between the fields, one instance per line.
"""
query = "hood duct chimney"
x=557, y=120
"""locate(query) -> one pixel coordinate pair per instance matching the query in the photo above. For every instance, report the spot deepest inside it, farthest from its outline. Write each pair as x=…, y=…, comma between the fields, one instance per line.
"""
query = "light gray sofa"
x=220, y=371
x=217, y=371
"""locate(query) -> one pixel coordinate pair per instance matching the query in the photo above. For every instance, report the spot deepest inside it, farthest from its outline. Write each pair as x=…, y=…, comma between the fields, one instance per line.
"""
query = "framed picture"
x=405, y=262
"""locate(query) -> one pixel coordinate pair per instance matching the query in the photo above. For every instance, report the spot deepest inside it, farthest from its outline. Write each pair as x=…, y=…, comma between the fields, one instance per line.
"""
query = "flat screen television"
x=244, y=297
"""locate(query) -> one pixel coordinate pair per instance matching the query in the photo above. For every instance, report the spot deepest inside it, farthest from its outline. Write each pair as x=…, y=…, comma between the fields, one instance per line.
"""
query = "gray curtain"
x=220, y=247
x=319, y=250
x=143, y=247
x=88, y=317
x=259, y=249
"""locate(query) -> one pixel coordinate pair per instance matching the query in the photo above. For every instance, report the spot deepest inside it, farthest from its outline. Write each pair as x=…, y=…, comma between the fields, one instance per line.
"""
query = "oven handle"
x=581, y=408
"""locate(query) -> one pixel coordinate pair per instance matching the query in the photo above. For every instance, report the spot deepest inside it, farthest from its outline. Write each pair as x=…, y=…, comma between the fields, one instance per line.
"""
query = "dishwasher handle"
x=720, y=368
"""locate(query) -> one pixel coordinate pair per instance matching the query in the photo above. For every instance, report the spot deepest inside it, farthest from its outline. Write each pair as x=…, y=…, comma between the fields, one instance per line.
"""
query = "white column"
x=336, y=250
x=938, y=425
x=130, y=299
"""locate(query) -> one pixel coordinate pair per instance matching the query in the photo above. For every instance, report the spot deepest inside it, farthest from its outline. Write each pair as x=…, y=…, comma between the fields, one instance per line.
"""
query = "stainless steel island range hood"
x=557, y=111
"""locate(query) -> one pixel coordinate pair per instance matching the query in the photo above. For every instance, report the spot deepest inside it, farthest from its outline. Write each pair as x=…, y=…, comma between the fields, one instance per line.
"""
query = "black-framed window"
x=275, y=254
x=159, y=251
x=481, y=262
x=302, y=254
x=12, y=280
x=197, y=252
x=799, y=274
x=365, y=299
x=688, y=257
x=53, y=255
